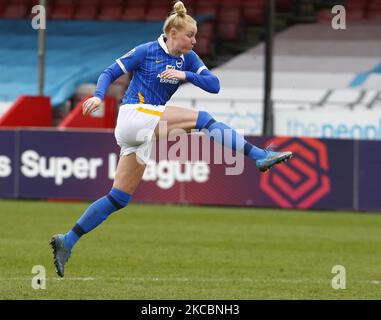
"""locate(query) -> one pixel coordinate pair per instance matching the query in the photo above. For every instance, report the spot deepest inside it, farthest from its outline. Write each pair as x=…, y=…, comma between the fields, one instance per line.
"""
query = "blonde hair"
x=178, y=18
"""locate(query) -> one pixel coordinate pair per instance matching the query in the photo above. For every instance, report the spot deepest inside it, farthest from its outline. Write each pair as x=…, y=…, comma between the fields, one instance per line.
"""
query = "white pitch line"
x=48, y=279
x=291, y=281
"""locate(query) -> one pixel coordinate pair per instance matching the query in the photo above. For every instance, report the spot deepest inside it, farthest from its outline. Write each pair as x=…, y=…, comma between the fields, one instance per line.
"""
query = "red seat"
x=136, y=2
x=374, y=15
x=161, y=3
x=157, y=13
x=355, y=14
x=110, y=12
x=190, y=10
x=325, y=15
x=254, y=16
x=48, y=9
x=88, y=2
x=205, y=29
x=283, y=5
x=201, y=3
x=15, y=11
x=255, y=3
x=228, y=31
x=189, y=3
x=112, y=2
x=204, y=47
x=134, y=13
x=26, y=2
x=374, y=10
x=232, y=3
x=357, y=4
x=233, y=15
x=64, y=2
x=207, y=10
x=86, y=12
x=63, y=11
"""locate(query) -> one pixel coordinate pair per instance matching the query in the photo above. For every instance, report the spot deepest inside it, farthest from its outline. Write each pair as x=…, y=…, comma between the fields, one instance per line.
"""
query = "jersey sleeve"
x=194, y=63
x=132, y=60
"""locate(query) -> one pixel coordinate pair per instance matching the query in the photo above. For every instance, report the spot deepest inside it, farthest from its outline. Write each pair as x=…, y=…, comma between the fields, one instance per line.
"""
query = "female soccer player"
x=158, y=67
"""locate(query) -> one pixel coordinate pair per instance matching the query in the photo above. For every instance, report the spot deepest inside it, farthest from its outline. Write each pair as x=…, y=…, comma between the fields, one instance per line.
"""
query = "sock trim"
x=115, y=203
x=247, y=148
x=77, y=229
x=209, y=123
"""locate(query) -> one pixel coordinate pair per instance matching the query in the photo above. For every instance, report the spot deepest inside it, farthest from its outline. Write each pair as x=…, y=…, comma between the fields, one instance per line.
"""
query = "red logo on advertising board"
x=302, y=181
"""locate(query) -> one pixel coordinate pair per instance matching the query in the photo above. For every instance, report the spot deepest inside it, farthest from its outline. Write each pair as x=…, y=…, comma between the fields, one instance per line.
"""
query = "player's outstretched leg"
x=98, y=211
x=227, y=136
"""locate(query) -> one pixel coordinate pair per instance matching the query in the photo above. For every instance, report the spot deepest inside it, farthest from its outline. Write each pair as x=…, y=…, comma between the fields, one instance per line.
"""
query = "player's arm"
x=198, y=74
x=205, y=80
x=125, y=64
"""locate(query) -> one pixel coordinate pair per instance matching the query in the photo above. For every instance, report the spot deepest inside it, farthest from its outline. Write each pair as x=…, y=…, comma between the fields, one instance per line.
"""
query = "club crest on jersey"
x=179, y=63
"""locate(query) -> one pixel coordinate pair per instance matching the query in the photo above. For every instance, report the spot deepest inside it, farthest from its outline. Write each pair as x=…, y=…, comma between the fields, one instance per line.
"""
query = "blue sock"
x=96, y=214
x=227, y=136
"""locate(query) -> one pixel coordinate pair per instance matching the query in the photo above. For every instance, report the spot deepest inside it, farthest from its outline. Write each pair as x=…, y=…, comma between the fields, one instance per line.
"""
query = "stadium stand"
x=72, y=57
x=233, y=27
x=314, y=69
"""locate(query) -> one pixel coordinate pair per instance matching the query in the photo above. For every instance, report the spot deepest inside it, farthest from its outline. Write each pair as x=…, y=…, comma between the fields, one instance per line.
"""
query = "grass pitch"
x=185, y=252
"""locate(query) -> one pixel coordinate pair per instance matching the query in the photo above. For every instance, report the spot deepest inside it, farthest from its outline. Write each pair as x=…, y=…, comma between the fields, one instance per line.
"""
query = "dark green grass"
x=184, y=252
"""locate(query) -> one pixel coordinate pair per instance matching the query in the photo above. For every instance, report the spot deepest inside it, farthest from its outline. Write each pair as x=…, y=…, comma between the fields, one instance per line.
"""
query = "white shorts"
x=135, y=128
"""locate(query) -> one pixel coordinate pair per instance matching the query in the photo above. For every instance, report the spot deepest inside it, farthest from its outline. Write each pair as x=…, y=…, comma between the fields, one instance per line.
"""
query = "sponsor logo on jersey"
x=170, y=81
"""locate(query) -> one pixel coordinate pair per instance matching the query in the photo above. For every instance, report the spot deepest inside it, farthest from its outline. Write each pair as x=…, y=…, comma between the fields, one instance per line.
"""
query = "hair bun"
x=179, y=9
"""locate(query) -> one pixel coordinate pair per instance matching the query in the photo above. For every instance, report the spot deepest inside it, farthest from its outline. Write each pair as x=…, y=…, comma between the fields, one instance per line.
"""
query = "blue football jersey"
x=147, y=62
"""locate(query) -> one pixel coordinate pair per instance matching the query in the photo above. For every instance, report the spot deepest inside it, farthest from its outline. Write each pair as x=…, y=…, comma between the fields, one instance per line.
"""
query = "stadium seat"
x=62, y=11
x=233, y=15
x=205, y=29
x=231, y=3
x=136, y=2
x=374, y=14
x=358, y=4
x=86, y=12
x=134, y=12
x=48, y=9
x=57, y=2
x=207, y=9
x=254, y=16
x=15, y=11
x=190, y=11
x=255, y=3
x=157, y=13
x=112, y=2
x=110, y=12
x=324, y=15
x=283, y=5
x=203, y=46
x=355, y=14
x=88, y=2
x=26, y=2
x=160, y=3
x=374, y=10
x=228, y=31
x=189, y=3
